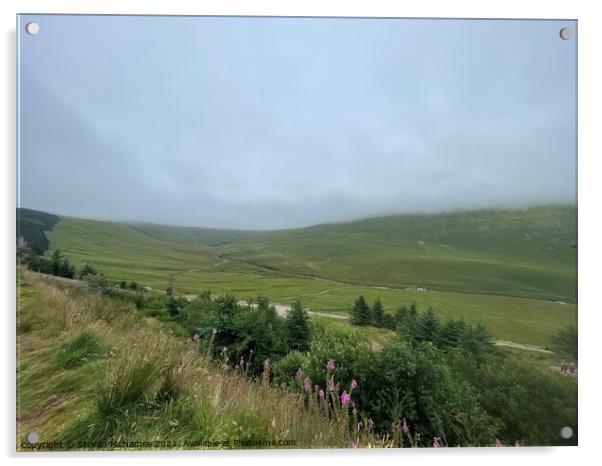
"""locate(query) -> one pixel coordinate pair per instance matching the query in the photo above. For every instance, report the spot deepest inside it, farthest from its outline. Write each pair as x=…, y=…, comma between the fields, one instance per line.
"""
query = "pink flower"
x=306, y=384
x=299, y=374
x=353, y=445
x=345, y=398
x=404, y=426
x=196, y=337
x=498, y=443
x=331, y=385
x=353, y=384
x=321, y=393
x=330, y=365
x=436, y=443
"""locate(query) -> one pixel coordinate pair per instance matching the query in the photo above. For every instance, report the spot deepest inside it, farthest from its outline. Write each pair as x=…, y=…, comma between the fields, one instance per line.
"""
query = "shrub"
x=285, y=369
x=351, y=355
x=565, y=342
x=414, y=383
x=87, y=270
x=530, y=405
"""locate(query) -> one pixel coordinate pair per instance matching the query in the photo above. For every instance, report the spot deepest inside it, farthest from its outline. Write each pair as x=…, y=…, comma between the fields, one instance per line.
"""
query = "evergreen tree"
x=297, y=327
x=56, y=262
x=401, y=319
x=478, y=342
x=360, y=314
x=405, y=322
x=451, y=334
x=378, y=314
x=427, y=326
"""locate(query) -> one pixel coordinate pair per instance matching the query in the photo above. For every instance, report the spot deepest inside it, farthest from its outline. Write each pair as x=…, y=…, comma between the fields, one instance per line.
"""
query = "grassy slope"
x=140, y=381
x=500, y=267
x=518, y=252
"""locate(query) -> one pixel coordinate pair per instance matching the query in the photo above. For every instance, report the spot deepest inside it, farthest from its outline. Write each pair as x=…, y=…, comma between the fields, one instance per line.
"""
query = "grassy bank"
x=93, y=370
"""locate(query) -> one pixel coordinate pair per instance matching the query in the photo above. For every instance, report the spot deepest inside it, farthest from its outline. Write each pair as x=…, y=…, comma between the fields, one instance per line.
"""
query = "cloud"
x=275, y=123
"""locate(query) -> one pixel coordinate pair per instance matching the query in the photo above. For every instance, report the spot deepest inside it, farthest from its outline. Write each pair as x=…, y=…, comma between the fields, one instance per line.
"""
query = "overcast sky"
x=274, y=123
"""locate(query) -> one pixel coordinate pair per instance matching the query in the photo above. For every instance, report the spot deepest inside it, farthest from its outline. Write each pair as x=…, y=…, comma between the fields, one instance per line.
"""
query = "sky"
x=262, y=123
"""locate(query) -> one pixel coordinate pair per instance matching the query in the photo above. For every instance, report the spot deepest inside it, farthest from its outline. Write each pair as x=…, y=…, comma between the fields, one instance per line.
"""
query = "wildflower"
x=345, y=398
x=353, y=445
x=331, y=385
x=306, y=384
x=353, y=384
x=330, y=365
x=498, y=443
x=196, y=337
x=299, y=374
x=436, y=443
x=404, y=426
x=321, y=393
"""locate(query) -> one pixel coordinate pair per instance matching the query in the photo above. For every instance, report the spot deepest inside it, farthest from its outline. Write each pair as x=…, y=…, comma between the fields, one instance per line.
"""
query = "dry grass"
x=147, y=385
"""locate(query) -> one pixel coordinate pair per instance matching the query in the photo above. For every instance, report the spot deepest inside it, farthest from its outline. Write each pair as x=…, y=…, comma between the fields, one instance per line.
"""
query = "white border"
x=590, y=77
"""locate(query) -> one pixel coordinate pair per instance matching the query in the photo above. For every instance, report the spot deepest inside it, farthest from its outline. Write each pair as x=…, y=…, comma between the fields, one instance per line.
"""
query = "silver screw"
x=32, y=28
x=566, y=432
x=32, y=437
x=566, y=33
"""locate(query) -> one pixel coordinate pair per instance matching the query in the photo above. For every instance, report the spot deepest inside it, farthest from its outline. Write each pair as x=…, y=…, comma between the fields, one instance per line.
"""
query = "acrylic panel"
x=282, y=232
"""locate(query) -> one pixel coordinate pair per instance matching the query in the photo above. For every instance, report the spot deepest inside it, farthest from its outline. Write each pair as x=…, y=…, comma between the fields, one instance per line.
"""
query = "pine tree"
x=478, y=342
x=360, y=314
x=297, y=327
x=451, y=334
x=427, y=326
x=378, y=314
x=56, y=262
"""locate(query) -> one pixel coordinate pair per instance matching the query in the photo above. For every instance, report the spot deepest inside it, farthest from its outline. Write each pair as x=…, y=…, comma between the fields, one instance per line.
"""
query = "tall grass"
x=153, y=386
x=83, y=348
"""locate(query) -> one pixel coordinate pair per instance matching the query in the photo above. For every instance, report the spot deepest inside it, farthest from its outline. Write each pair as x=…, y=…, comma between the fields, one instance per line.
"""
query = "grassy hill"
x=514, y=270
x=92, y=370
x=529, y=253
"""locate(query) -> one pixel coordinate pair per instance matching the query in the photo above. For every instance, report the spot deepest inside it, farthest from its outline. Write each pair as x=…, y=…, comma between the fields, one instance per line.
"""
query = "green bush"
x=285, y=369
x=530, y=405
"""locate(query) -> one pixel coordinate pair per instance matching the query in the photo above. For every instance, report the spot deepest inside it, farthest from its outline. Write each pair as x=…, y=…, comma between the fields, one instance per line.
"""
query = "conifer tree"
x=297, y=327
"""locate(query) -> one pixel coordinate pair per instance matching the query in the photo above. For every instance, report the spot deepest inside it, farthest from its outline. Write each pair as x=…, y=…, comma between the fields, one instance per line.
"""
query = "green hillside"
x=514, y=270
x=529, y=253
